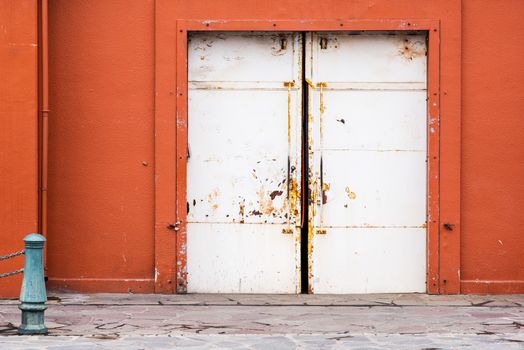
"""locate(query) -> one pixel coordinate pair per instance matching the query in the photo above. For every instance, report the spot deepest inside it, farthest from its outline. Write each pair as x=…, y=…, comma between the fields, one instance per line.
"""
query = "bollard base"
x=32, y=320
x=32, y=330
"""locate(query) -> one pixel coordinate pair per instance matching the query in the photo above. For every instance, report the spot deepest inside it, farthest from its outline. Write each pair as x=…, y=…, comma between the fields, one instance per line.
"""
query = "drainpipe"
x=44, y=113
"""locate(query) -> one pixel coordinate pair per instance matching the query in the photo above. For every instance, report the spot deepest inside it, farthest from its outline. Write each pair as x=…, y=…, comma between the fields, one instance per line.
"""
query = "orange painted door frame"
x=443, y=240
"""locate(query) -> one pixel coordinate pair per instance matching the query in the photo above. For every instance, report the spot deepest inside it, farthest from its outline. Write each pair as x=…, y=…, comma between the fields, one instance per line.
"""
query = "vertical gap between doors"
x=304, y=270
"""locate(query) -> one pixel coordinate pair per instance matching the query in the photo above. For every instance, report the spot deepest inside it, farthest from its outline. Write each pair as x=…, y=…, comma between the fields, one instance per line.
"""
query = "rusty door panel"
x=252, y=188
x=243, y=167
x=367, y=156
x=369, y=57
x=368, y=260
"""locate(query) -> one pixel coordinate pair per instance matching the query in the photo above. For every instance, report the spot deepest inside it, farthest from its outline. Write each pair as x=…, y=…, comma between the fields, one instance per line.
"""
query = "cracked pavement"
x=382, y=321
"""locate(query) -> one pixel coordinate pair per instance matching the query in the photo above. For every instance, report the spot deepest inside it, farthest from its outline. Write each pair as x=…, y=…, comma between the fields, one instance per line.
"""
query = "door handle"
x=175, y=226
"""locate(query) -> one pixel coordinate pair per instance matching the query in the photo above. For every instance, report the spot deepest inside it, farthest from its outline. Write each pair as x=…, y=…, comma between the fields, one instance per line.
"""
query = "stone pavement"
x=384, y=321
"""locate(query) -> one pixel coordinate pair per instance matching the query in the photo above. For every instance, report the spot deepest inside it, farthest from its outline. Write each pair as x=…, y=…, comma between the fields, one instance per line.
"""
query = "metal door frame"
x=171, y=136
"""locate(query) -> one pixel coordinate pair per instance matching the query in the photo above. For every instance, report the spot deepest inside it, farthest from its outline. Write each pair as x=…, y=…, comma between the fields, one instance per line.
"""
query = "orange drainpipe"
x=44, y=112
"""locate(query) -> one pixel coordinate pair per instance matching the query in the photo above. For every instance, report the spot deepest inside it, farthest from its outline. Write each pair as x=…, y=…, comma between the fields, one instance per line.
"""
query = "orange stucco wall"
x=101, y=190
x=102, y=71
x=492, y=241
x=101, y=139
x=18, y=133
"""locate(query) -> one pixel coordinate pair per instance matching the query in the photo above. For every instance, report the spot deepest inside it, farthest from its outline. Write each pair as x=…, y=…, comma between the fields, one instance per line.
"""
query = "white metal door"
x=367, y=136
x=243, y=169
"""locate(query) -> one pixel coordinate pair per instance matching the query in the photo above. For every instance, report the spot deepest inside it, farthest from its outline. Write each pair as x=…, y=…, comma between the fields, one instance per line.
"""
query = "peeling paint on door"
x=244, y=115
x=367, y=140
x=367, y=162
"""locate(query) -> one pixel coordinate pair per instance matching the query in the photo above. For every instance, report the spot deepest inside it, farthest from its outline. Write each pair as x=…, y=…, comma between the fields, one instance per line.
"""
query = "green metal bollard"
x=33, y=294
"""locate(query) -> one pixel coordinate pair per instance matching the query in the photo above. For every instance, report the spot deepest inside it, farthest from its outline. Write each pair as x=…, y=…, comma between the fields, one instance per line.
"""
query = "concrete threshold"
x=360, y=300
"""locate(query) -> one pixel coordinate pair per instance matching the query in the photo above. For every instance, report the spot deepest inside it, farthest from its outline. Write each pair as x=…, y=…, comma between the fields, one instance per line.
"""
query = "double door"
x=306, y=166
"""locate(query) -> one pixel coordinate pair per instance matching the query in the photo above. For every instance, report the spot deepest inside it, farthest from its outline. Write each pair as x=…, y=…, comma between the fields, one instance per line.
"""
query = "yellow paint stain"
x=289, y=85
x=321, y=114
x=325, y=189
x=294, y=196
x=310, y=255
x=311, y=232
x=313, y=195
x=350, y=193
x=310, y=83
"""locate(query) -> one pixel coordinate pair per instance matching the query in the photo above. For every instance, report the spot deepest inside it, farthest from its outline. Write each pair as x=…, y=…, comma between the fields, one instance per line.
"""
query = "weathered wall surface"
x=101, y=139
x=492, y=241
x=18, y=133
x=101, y=155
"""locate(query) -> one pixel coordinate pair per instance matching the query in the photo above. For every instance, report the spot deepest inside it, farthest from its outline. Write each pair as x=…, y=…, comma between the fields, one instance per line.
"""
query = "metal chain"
x=9, y=256
x=12, y=255
x=11, y=273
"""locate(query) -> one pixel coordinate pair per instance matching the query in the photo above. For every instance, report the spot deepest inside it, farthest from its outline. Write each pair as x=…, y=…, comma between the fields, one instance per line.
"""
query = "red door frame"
x=171, y=136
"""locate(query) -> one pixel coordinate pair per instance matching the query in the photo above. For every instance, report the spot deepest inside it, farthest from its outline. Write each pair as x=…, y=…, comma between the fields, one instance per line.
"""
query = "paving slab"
x=392, y=321
x=273, y=342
